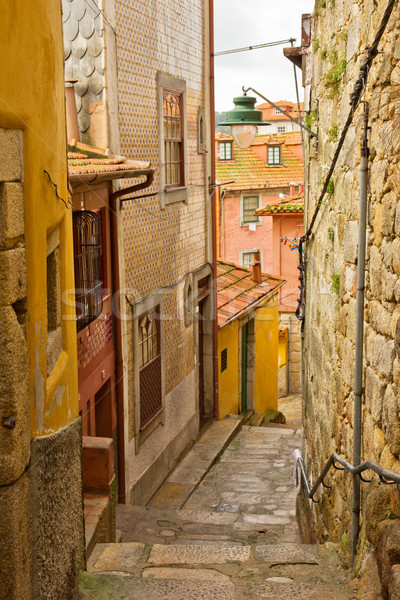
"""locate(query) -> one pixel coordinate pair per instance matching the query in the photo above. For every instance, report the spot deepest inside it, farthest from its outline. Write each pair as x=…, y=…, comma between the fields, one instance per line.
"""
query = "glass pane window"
x=148, y=339
x=274, y=155
x=225, y=151
x=173, y=141
x=88, y=267
x=250, y=204
x=281, y=129
x=247, y=259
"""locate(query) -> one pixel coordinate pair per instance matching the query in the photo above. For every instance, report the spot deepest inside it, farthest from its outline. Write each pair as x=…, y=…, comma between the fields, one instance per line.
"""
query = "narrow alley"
x=235, y=536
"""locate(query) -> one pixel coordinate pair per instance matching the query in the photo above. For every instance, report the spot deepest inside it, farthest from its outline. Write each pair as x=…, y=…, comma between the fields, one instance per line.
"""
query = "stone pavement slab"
x=196, y=554
x=287, y=553
x=119, y=587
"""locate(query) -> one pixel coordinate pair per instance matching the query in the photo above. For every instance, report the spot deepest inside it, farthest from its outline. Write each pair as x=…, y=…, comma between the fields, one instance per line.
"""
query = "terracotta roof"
x=295, y=204
x=290, y=108
x=250, y=172
x=237, y=292
x=87, y=164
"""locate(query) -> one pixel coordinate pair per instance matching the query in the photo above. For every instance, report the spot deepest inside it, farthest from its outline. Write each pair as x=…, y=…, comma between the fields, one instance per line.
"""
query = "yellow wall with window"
x=265, y=391
x=229, y=382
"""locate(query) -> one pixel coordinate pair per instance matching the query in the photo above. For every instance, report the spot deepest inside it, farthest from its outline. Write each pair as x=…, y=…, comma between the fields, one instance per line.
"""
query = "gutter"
x=119, y=365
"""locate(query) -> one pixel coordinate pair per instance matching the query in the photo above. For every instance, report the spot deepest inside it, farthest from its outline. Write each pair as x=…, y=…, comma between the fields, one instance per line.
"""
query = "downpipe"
x=358, y=376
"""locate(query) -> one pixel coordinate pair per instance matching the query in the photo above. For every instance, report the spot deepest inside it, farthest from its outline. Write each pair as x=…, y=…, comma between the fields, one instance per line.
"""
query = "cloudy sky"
x=240, y=23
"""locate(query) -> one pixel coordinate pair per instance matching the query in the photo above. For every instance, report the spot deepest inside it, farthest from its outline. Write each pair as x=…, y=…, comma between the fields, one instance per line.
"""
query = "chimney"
x=70, y=107
x=292, y=192
x=256, y=267
x=301, y=187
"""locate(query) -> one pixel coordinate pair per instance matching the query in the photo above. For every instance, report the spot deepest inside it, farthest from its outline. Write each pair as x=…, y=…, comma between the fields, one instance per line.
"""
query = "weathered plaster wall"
x=229, y=380
x=266, y=357
x=38, y=380
x=349, y=26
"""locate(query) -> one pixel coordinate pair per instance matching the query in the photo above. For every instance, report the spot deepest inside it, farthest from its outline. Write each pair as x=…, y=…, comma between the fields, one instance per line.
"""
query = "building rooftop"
x=87, y=164
x=291, y=108
x=237, y=292
x=250, y=172
x=294, y=204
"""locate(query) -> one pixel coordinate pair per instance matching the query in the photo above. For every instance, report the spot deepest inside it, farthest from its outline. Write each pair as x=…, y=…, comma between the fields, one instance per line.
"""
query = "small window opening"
x=224, y=359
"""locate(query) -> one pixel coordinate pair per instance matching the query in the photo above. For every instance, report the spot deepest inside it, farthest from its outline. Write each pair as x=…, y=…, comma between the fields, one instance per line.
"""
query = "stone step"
x=214, y=571
x=152, y=525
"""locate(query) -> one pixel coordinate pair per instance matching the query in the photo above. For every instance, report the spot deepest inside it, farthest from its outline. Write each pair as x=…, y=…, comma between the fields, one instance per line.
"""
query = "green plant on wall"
x=322, y=3
x=335, y=285
x=324, y=52
x=332, y=133
x=310, y=118
x=330, y=189
x=334, y=76
x=332, y=3
x=315, y=44
x=331, y=234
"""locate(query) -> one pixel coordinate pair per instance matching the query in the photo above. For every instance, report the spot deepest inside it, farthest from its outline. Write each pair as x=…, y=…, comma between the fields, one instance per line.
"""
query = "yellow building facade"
x=40, y=436
x=247, y=341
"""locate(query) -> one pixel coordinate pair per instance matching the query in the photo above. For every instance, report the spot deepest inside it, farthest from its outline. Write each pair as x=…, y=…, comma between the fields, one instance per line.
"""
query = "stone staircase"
x=218, y=571
x=233, y=537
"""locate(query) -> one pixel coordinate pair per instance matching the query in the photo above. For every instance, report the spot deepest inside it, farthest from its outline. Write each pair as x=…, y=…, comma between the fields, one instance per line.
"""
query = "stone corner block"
x=10, y=154
x=11, y=211
x=12, y=275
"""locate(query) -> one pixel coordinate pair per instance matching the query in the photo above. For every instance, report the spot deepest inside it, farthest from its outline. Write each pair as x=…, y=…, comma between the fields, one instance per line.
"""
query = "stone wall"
x=293, y=373
x=342, y=31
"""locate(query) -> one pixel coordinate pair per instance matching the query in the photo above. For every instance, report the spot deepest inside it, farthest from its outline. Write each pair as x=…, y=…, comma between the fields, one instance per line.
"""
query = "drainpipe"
x=213, y=208
x=358, y=377
x=119, y=365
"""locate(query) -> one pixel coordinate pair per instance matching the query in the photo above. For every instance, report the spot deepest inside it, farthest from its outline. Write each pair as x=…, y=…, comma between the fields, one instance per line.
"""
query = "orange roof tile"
x=89, y=164
x=250, y=172
x=237, y=292
x=295, y=204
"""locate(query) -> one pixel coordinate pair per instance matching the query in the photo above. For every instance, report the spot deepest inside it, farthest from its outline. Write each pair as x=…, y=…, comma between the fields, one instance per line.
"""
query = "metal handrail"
x=386, y=476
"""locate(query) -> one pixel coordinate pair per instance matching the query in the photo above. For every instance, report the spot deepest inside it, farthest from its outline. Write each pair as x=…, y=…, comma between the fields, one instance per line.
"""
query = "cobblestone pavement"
x=253, y=483
x=235, y=538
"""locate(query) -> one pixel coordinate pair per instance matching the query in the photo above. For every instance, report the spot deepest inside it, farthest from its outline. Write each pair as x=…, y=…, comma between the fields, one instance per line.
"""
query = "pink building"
x=261, y=207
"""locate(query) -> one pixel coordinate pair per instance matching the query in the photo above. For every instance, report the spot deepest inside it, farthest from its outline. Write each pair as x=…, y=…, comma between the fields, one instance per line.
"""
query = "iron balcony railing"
x=386, y=476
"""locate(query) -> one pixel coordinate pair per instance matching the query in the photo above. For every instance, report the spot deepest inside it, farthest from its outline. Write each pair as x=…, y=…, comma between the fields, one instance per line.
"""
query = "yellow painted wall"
x=266, y=357
x=283, y=349
x=228, y=337
x=265, y=393
x=32, y=99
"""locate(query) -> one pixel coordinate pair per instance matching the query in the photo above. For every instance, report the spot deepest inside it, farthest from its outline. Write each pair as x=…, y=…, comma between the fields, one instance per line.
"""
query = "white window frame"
x=273, y=147
x=146, y=305
x=281, y=129
x=174, y=194
x=225, y=144
x=247, y=251
x=249, y=195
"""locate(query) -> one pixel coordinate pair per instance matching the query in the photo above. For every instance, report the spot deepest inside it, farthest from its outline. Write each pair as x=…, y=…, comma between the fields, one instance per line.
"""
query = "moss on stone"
x=274, y=416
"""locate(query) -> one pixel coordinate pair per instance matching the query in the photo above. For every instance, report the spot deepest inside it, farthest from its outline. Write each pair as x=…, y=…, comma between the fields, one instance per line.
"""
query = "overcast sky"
x=240, y=23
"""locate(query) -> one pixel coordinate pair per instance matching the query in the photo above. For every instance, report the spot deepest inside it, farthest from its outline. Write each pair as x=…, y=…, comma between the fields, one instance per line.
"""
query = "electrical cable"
x=258, y=46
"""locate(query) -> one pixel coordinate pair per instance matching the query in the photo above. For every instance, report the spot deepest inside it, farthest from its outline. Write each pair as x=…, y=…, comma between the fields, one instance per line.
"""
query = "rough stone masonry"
x=342, y=30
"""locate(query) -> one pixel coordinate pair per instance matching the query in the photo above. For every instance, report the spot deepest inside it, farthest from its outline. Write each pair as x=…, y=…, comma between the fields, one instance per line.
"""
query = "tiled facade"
x=159, y=248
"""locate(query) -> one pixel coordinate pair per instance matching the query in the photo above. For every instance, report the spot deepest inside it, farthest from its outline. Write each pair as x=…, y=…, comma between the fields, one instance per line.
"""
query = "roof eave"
x=77, y=179
x=253, y=305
